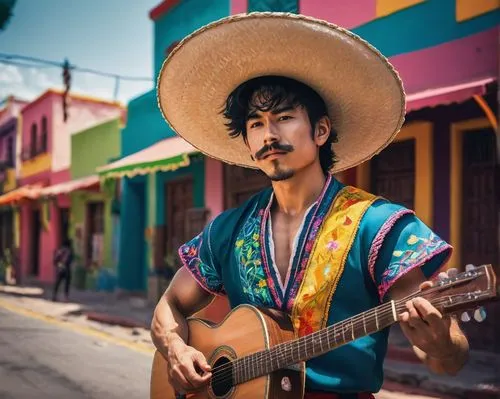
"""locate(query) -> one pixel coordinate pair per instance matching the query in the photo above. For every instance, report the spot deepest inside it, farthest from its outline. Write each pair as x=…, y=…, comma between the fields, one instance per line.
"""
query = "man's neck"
x=295, y=195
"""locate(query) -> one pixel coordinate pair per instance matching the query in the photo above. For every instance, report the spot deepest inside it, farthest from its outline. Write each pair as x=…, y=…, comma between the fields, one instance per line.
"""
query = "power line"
x=15, y=59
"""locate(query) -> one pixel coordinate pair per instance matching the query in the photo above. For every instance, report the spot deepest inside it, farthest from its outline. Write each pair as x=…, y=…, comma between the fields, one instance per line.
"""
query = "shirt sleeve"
x=402, y=244
x=197, y=257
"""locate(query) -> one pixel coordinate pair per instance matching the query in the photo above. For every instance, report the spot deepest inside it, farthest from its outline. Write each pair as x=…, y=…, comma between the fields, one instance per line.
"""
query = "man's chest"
x=284, y=233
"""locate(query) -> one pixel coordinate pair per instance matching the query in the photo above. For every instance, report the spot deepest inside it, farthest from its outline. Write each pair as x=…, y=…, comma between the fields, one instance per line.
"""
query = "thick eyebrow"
x=279, y=110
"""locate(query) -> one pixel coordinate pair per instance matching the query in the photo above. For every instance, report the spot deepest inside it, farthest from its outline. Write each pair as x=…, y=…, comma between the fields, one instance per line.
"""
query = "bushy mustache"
x=273, y=147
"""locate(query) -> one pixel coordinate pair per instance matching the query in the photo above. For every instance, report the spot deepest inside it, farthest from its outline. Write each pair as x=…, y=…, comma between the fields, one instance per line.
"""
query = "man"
x=300, y=99
x=62, y=263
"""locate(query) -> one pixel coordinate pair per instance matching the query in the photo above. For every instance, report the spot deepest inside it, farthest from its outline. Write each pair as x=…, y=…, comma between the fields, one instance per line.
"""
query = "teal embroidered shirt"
x=234, y=256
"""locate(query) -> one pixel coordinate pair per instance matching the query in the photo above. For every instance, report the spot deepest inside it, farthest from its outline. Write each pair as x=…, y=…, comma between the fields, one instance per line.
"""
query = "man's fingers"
x=426, y=285
x=201, y=362
x=179, y=381
x=414, y=320
x=426, y=311
x=192, y=376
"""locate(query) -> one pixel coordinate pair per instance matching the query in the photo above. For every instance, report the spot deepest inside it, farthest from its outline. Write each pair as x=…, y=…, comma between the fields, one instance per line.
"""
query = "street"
x=41, y=360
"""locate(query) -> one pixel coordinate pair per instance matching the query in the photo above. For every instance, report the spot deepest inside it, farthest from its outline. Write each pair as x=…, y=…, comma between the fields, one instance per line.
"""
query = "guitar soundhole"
x=222, y=379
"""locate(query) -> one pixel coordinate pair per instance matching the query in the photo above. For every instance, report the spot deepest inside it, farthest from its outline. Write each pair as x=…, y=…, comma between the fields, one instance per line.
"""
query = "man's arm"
x=436, y=339
x=188, y=368
x=183, y=297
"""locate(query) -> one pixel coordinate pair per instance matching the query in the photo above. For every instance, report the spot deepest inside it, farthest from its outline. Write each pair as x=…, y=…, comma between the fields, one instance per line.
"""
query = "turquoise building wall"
x=142, y=201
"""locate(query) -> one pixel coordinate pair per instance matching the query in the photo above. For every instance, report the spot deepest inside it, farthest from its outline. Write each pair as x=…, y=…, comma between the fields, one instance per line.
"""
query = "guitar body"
x=244, y=331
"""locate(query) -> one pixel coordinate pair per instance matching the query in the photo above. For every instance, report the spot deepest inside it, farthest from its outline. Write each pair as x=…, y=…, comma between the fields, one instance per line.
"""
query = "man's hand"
x=437, y=339
x=426, y=328
x=188, y=369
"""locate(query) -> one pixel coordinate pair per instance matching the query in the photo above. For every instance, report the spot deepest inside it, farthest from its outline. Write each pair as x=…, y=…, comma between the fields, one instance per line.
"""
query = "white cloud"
x=29, y=83
x=10, y=74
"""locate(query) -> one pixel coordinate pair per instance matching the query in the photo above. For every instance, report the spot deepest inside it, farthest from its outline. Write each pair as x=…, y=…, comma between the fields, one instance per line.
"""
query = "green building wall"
x=90, y=149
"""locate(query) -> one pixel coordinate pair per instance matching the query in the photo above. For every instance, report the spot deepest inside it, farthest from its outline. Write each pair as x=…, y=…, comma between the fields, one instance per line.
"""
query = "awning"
x=68, y=187
x=166, y=155
x=446, y=95
x=26, y=192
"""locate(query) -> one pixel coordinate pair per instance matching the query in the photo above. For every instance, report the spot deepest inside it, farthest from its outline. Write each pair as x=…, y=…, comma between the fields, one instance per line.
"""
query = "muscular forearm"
x=168, y=325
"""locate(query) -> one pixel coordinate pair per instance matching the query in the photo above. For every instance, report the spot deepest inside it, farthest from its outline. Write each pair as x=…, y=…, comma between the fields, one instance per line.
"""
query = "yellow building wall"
x=388, y=7
x=10, y=180
x=467, y=9
x=40, y=163
x=424, y=168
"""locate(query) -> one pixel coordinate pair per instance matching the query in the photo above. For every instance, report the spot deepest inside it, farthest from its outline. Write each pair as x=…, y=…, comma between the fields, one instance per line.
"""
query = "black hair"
x=266, y=93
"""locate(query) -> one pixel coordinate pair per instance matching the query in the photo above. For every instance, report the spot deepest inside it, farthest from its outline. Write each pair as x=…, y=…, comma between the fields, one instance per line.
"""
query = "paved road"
x=42, y=360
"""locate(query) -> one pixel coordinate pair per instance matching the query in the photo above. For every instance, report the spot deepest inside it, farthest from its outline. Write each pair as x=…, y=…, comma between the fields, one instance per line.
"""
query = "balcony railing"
x=30, y=152
x=6, y=164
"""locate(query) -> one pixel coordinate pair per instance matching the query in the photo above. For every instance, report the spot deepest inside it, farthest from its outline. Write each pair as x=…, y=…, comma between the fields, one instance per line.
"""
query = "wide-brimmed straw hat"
x=363, y=93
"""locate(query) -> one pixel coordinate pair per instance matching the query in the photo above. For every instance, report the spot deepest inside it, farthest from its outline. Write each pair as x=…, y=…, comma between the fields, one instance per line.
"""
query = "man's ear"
x=322, y=131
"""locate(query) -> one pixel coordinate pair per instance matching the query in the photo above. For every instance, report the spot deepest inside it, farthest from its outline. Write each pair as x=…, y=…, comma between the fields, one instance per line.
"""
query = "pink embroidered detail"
x=386, y=285
x=332, y=245
x=379, y=239
x=197, y=275
x=263, y=233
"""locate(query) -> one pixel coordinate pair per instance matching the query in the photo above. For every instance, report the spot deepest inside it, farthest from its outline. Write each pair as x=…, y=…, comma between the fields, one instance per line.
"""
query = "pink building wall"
x=214, y=186
x=348, y=14
x=239, y=6
x=83, y=113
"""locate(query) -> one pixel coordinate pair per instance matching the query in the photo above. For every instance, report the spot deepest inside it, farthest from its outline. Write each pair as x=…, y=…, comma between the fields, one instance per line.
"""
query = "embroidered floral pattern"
x=328, y=257
x=249, y=258
x=414, y=252
x=203, y=272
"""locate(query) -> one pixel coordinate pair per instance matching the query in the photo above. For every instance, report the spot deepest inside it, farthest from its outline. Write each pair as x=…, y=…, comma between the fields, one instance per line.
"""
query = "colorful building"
x=153, y=192
x=94, y=221
x=442, y=164
x=41, y=201
x=9, y=171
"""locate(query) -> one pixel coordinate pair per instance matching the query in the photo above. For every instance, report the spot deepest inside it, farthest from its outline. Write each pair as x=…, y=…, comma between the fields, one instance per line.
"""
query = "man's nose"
x=271, y=134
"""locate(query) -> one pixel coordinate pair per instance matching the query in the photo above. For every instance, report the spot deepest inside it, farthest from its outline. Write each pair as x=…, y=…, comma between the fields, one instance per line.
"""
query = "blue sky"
x=108, y=35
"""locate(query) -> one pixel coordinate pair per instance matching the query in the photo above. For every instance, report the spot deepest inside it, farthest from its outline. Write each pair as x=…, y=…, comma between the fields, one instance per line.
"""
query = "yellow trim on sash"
x=327, y=260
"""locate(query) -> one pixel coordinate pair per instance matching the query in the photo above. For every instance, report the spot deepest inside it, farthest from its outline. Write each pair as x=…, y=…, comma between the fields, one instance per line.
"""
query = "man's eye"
x=284, y=117
x=255, y=124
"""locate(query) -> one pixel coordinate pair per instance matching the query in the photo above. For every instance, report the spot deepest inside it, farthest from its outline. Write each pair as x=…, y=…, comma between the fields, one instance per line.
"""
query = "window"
x=95, y=233
x=44, y=135
x=33, y=142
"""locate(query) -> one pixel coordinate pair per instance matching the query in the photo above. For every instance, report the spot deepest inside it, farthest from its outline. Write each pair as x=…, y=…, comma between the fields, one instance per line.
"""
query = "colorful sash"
x=326, y=264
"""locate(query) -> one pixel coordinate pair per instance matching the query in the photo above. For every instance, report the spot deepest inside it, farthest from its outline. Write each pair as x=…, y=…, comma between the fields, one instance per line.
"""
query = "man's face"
x=281, y=140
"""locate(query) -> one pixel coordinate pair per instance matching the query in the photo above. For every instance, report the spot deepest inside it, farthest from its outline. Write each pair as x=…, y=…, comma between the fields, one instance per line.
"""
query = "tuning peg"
x=480, y=314
x=470, y=267
x=452, y=272
x=465, y=317
x=442, y=276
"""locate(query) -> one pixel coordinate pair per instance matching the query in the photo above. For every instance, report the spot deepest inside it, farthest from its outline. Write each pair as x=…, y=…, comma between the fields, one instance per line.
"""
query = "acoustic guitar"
x=254, y=353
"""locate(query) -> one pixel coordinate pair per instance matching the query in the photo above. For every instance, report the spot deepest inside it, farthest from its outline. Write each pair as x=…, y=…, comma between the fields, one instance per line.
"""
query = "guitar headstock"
x=458, y=292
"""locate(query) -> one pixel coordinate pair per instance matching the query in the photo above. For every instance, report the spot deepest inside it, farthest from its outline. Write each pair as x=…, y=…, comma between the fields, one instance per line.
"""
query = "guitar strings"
x=356, y=318
x=225, y=372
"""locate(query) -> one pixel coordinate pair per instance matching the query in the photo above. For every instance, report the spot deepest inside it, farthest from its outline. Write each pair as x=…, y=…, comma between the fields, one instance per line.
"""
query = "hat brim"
x=363, y=93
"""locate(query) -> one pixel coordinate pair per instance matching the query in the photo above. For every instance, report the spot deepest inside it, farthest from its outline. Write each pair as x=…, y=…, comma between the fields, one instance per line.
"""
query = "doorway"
x=178, y=200
x=35, y=243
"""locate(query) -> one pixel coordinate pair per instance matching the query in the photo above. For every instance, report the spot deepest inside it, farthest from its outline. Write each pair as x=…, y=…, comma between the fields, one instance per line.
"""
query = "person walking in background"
x=62, y=262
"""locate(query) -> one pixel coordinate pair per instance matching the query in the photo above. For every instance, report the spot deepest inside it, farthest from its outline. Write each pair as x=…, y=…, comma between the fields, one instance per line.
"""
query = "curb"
x=115, y=320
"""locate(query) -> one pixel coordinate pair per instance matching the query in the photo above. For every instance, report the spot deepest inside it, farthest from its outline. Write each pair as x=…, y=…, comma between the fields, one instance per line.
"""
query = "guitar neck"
x=319, y=342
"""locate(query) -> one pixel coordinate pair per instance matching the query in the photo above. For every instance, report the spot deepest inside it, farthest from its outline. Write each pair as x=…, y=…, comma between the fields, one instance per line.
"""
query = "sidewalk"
x=130, y=318
x=479, y=379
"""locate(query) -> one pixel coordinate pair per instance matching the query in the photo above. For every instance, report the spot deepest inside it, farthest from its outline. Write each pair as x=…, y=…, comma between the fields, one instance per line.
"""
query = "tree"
x=6, y=7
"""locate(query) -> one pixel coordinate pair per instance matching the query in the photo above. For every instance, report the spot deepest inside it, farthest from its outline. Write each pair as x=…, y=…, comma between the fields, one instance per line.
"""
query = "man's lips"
x=273, y=153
